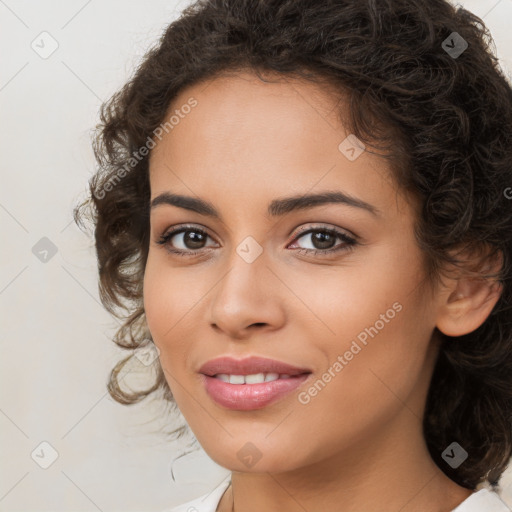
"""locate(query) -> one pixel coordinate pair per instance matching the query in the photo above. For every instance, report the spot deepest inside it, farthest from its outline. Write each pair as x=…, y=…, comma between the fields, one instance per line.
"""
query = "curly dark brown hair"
x=444, y=120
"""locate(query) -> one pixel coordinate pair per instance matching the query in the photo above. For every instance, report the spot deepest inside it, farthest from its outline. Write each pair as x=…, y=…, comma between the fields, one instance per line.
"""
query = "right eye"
x=191, y=239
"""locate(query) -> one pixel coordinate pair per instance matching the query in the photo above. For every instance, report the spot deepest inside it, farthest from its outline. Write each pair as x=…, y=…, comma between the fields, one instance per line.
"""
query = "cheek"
x=351, y=401
x=155, y=301
x=164, y=302
x=171, y=301
x=380, y=325
x=161, y=307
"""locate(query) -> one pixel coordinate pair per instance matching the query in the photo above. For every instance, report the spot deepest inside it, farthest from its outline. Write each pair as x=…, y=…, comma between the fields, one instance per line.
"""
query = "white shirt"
x=480, y=501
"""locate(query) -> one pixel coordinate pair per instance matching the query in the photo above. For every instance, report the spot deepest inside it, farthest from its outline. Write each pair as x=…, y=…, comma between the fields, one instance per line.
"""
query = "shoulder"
x=206, y=503
x=480, y=501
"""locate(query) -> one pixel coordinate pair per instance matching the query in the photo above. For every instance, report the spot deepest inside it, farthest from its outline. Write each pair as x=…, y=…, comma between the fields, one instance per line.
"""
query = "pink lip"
x=249, y=366
x=247, y=397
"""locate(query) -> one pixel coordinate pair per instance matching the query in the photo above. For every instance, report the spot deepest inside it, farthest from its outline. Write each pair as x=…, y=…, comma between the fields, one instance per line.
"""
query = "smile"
x=240, y=394
x=254, y=378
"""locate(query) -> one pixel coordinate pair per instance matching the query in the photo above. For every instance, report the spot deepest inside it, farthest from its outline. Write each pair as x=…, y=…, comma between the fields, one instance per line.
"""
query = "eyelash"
x=348, y=244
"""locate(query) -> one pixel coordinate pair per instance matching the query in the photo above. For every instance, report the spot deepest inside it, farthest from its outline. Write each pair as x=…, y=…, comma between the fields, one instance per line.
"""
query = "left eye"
x=323, y=240
x=192, y=240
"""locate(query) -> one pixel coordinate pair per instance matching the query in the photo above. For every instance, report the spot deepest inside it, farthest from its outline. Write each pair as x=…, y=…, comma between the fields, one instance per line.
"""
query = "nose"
x=248, y=297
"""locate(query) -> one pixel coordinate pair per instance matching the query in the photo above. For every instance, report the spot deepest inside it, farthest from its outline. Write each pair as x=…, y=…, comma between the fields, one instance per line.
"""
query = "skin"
x=359, y=441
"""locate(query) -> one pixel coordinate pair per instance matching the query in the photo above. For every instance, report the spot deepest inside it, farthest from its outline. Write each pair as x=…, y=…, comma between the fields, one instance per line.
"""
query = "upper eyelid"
x=325, y=227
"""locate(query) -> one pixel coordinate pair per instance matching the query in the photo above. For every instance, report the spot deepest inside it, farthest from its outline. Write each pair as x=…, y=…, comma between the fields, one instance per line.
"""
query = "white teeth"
x=255, y=378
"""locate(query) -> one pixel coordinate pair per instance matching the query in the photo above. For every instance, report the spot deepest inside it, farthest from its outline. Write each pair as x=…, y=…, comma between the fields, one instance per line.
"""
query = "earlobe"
x=468, y=305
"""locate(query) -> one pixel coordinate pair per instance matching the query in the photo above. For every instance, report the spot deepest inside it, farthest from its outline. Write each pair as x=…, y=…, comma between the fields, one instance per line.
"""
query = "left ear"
x=468, y=301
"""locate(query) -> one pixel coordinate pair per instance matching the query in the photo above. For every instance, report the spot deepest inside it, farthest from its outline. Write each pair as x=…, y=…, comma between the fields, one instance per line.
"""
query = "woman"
x=304, y=207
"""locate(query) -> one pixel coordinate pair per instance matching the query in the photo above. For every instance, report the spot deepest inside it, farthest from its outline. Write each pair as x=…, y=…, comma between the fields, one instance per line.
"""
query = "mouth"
x=252, y=378
x=252, y=367
x=251, y=383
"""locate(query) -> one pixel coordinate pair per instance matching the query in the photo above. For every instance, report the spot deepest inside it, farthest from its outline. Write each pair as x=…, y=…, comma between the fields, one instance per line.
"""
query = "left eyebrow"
x=276, y=208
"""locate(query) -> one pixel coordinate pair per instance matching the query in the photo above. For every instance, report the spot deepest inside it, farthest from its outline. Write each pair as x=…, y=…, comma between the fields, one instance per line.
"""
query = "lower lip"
x=248, y=397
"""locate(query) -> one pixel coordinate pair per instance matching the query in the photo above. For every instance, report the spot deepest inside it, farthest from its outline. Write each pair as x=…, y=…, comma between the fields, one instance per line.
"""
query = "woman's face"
x=261, y=284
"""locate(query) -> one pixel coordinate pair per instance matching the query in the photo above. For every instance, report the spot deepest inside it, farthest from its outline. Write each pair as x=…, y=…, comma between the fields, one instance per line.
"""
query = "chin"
x=245, y=456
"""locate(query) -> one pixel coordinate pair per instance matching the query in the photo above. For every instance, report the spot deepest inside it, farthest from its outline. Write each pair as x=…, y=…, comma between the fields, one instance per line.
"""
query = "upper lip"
x=249, y=366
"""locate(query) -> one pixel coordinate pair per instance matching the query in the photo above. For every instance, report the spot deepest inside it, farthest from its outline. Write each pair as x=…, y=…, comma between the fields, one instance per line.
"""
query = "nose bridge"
x=246, y=256
x=247, y=293
x=247, y=274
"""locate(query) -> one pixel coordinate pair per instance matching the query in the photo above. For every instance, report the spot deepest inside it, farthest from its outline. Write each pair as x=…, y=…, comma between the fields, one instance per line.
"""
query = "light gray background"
x=54, y=333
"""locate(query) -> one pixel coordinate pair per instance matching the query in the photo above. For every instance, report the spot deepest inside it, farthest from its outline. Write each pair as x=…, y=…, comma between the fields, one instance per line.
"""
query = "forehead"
x=241, y=110
x=250, y=138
